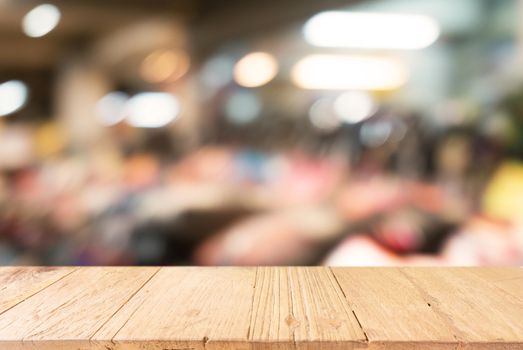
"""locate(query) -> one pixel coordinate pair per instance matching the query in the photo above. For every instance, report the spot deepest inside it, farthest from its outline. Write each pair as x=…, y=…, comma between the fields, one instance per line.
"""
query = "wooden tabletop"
x=190, y=308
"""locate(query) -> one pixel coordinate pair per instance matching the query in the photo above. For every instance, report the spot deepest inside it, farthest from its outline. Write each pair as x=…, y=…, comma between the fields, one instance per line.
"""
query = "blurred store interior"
x=296, y=132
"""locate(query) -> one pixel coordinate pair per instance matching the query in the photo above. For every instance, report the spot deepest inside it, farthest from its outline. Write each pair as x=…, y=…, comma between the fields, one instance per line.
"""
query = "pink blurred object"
x=308, y=180
x=425, y=260
x=141, y=171
x=209, y=164
x=363, y=199
x=285, y=237
x=401, y=231
x=485, y=242
x=260, y=240
x=361, y=251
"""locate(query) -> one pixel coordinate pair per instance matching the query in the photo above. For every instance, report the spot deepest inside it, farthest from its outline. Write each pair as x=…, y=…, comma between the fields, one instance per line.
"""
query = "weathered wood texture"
x=190, y=308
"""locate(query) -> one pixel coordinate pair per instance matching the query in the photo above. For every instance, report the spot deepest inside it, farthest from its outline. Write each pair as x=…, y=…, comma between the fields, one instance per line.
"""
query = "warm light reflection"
x=346, y=72
x=164, y=65
x=371, y=30
x=41, y=20
x=152, y=109
x=13, y=96
x=255, y=69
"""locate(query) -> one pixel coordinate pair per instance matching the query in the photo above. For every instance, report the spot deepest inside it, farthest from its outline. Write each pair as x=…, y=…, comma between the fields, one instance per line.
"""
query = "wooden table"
x=182, y=308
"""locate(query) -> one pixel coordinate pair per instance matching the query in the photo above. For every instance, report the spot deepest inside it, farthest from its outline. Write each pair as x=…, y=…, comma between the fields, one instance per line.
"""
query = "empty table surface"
x=218, y=308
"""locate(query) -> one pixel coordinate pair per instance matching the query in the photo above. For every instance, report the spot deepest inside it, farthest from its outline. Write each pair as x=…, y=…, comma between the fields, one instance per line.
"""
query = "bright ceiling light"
x=13, y=96
x=152, y=109
x=354, y=106
x=370, y=30
x=110, y=109
x=41, y=20
x=346, y=72
x=255, y=69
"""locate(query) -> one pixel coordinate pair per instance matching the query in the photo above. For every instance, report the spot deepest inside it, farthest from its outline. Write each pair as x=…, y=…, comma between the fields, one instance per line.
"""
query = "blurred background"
x=296, y=132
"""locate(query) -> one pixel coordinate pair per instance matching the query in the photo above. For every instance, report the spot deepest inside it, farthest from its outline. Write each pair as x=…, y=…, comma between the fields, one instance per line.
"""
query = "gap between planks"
x=348, y=301
x=73, y=269
x=295, y=290
x=252, y=302
x=298, y=291
x=128, y=299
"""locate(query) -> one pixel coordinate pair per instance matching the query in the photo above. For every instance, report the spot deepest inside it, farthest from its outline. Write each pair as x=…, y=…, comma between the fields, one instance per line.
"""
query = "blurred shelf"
x=260, y=308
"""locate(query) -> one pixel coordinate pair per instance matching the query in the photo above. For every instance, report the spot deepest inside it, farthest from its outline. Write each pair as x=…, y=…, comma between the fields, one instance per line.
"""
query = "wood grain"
x=303, y=307
x=187, y=308
x=18, y=284
x=394, y=313
x=264, y=308
x=479, y=312
x=67, y=313
x=509, y=279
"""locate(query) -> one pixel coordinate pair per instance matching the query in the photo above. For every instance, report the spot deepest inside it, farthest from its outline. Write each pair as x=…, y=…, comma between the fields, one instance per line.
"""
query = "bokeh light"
x=354, y=106
x=217, y=72
x=375, y=133
x=13, y=96
x=243, y=107
x=322, y=116
x=151, y=109
x=110, y=109
x=349, y=72
x=255, y=69
x=371, y=30
x=41, y=20
x=164, y=65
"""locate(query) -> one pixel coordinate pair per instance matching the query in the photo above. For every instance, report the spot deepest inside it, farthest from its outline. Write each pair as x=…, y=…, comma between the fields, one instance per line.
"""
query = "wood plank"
x=301, y=307
x=319, y=305
x=482, y=315
x=186, y=308
x=67, y=313
x=509, y=279
x=393, y=313
x=18, y=284
x=272, y=323
x=280, y=308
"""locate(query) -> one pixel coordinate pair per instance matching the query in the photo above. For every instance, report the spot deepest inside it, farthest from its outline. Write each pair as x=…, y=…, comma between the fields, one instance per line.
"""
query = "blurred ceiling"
x=209, y=23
